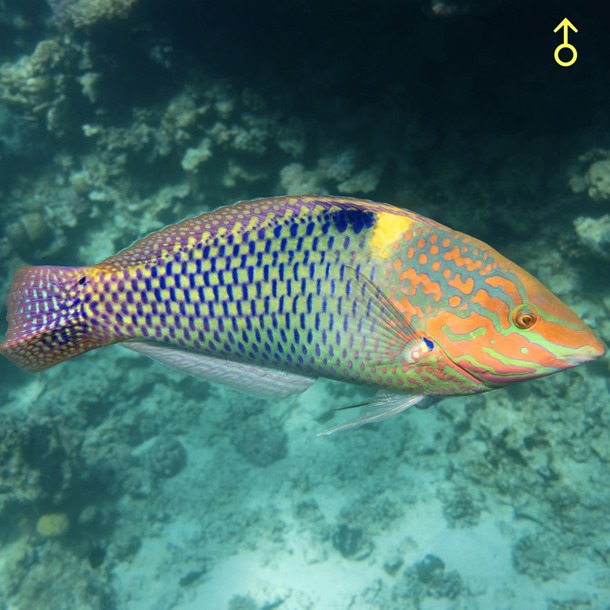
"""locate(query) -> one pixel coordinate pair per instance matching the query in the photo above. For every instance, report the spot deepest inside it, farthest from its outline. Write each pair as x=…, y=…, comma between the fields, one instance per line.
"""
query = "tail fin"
x=47, y=322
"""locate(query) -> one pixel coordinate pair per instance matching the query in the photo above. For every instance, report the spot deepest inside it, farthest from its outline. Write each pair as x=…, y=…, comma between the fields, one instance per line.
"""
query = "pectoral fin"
x=386, y=333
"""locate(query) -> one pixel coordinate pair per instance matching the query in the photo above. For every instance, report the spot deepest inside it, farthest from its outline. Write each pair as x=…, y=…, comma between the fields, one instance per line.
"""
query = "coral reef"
x=85, y=13
x=37, y=87
x=63, y=581
x=590, y=174
x=594, y=234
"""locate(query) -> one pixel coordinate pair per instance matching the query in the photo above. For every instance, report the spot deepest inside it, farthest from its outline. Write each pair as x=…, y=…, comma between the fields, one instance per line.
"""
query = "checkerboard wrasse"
x=268, y=295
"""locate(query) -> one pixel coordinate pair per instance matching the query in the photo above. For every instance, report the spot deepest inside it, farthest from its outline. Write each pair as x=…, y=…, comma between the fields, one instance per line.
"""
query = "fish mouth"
x=592, y=350
x=596, y=349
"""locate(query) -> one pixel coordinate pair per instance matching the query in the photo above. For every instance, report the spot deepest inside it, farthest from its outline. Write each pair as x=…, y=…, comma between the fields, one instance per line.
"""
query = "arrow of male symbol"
x=566, y=24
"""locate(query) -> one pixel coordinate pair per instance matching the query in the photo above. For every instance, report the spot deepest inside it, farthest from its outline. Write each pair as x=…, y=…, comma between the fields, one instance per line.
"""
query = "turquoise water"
x=126, y=485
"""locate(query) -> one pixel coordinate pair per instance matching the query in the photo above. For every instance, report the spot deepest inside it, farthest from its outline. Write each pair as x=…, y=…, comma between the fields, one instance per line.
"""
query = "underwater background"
x=125, y=485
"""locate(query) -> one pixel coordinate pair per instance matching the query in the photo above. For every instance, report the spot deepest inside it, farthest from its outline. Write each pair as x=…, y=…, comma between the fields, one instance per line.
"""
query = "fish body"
x=278, y=292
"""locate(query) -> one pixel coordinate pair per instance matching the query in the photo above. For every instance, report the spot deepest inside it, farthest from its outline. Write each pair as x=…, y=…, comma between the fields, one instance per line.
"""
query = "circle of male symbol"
x=573, y=51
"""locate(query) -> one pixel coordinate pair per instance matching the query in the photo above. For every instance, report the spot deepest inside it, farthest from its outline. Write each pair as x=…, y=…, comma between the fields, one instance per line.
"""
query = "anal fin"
x=243, y=377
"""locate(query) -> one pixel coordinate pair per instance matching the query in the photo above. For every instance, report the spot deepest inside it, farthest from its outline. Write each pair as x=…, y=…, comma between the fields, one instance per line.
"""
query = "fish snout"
x=596, y=348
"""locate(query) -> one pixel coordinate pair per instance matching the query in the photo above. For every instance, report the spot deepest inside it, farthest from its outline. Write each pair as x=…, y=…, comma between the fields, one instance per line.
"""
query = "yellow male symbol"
x=566, y=24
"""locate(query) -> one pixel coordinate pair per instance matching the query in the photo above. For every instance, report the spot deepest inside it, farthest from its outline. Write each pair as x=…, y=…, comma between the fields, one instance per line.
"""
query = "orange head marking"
x=512, y=328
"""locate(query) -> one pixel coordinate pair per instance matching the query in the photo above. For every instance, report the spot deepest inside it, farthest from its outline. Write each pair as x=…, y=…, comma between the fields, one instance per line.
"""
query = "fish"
x=268, y=295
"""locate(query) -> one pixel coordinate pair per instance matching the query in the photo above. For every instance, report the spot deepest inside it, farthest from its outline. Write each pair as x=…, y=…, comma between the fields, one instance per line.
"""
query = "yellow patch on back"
x=389, y=228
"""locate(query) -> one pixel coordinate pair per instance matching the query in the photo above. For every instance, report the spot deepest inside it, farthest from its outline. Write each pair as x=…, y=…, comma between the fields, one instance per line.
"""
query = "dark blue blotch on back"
x=356, y=219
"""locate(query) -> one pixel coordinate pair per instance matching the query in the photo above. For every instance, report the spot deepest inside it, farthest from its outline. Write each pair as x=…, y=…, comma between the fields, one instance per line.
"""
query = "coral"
x=296, y=180
x=598, y=180
x=16, y=135
x=261, y=439
x=31, y=230
x=179, y=121
x=85, y=13
x=365, y=181
x=291, y=137
x=207, y=136
x=109, y=461
x=428, y=568
x=166, y=457
x=594, y=234
x=451, y=8
x=428, y=578
x=39, y=459
x=242, y=602
x=351, y=542
x=52, y=525
x=37, y=83
x=459, y=507
x=42, y=212
x=64, y=580
x=590, y=173
x=90, y=83
x=333, y=173
x=537, y=554
x=194, y=157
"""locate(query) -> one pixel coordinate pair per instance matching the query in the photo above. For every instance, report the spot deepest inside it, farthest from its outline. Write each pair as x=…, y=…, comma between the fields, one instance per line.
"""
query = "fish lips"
x=589, y=352
x=572, y=357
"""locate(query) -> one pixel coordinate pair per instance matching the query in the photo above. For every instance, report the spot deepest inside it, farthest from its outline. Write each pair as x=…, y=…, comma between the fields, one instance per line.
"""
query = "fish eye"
x=524, y=317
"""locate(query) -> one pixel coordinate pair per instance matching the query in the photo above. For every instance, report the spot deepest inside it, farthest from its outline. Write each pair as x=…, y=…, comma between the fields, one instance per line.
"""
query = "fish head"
x=512, y=328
